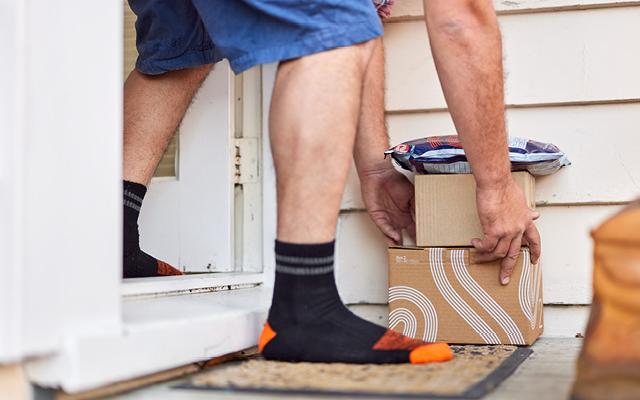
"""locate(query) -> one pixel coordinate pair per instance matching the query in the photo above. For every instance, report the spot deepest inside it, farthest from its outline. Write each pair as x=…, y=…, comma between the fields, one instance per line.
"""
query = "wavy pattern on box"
x=407, y=319
x=484, y=299
x=404, y=316
x=468, y=314
x=530, y=288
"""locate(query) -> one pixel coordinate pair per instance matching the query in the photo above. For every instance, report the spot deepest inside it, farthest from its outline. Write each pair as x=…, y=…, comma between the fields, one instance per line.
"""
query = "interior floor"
x=547, y=374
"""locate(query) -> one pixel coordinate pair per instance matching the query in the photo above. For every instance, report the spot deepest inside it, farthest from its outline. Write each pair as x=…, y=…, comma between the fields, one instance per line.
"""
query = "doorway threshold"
x=187, y=284
x=158, y=333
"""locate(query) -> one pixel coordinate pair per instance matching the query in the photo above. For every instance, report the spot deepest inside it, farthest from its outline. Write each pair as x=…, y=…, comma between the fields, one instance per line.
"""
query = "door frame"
x=59, y=173
x=215, y=314
x=62, y=312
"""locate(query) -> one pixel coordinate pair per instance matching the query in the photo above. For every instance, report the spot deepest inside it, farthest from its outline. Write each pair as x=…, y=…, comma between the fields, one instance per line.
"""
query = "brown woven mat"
x=474, y=371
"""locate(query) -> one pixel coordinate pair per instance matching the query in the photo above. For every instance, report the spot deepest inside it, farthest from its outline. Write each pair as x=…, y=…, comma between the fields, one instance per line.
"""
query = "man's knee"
x=200, y=73
x=456, y=17
x=196, y=75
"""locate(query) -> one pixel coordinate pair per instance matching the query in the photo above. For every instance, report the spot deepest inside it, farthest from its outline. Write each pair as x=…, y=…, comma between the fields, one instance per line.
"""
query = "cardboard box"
x=446, y=214
x=436, y=294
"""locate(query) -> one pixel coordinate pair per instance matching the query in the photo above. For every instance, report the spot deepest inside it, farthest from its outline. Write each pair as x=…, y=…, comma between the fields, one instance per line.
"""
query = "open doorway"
x=202, y=212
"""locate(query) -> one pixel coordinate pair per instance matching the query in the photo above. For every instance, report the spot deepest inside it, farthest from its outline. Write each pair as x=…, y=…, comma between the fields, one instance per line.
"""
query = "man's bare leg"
x=153, y=109
x=314, y=114
x=313, y=118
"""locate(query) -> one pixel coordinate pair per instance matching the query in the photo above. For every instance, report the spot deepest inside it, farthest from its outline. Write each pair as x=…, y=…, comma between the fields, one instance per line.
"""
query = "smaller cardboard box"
x=446, y=213
x=437, y=294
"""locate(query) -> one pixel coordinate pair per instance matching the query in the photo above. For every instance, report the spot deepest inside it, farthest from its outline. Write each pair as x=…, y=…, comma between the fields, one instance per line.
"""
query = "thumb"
x=390, y=232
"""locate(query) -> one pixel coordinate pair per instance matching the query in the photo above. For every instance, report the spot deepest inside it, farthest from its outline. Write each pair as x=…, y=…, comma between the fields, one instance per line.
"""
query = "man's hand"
x=506, y=221
x=389, y=198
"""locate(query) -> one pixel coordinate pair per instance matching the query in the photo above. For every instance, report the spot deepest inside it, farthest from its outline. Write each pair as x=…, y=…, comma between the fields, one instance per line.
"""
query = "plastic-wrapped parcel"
x=444, y=155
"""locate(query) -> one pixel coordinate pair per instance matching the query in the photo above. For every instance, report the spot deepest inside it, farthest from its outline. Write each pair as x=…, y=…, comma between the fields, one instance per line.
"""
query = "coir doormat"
x=474, y=371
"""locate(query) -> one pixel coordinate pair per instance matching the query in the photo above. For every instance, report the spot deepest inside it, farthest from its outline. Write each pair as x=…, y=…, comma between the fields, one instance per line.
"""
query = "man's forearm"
x=467, y=49
x=372, y=139
x=387, y=194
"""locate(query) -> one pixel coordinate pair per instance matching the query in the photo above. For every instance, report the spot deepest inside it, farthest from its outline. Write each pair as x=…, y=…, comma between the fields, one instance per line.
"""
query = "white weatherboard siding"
x=571, y=69
x=601, y=141
x=551, y=57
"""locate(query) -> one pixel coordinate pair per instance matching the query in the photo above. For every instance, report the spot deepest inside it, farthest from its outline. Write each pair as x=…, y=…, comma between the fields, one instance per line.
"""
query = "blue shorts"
x=177, y=34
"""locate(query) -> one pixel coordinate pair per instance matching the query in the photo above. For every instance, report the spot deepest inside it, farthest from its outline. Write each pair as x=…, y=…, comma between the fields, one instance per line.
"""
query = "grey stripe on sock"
x=285, y=269
x=131, y=204
x=133, y=196
x=304, y=260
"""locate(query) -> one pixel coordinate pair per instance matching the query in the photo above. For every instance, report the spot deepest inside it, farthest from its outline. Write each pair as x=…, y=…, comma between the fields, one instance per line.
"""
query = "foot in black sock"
x=136, y=263
x=308, y=321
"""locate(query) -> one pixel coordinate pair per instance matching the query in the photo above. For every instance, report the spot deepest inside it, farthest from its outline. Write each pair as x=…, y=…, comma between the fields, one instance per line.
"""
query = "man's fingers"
x=533, y=238
x=535, y=215
x=509, y=261
x=390, y=242
x=481, y=258
x=501, y=249
x=390, y=232
x=486, y=245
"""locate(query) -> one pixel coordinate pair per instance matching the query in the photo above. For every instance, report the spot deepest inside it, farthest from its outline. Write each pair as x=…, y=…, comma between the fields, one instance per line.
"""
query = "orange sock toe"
x=265, y=337
x=165, y=269
x=432, y=352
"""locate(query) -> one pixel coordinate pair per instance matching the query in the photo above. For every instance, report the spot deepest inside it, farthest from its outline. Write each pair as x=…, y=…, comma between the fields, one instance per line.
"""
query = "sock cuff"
x=137, y=188
x=311, y=250
x=133, y=192
x=304, y=259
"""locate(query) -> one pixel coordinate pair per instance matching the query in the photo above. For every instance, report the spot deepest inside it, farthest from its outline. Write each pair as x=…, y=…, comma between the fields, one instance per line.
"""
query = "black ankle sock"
x=136, y=263
x=308, y=321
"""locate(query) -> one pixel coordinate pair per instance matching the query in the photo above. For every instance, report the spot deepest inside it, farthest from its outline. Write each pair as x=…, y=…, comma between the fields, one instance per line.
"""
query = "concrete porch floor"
x=547, y=374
